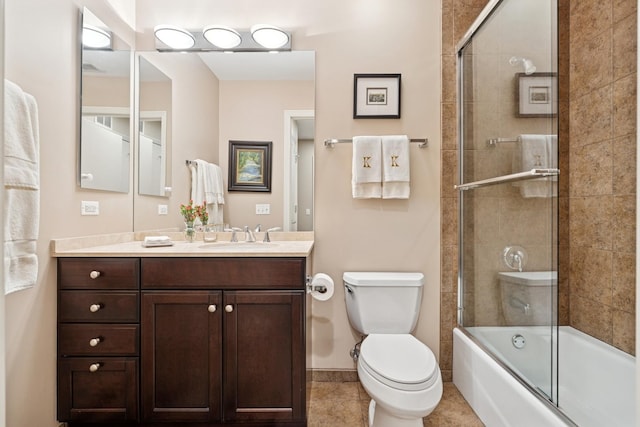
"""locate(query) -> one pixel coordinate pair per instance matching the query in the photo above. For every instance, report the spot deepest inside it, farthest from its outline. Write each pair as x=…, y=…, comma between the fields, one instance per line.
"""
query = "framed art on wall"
x=537, y=95
x=376, y=96
x=249, y=166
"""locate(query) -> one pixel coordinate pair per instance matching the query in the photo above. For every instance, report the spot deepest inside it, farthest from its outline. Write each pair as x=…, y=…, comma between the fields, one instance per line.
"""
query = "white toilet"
x=399, y=372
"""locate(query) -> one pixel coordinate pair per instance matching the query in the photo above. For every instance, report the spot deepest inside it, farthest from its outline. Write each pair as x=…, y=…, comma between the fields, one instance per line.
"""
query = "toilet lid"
x=399, y=360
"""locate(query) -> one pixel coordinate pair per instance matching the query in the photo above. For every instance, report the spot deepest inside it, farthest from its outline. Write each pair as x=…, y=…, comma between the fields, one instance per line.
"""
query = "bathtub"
x=596, y=382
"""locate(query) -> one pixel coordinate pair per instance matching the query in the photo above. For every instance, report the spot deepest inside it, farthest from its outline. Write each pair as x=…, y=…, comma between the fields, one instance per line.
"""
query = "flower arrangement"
x=190, y=212
x=202, y=213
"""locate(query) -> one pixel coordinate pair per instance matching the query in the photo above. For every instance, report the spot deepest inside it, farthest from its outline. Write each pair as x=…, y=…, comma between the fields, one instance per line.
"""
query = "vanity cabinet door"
x=181, y=356
x=264, y=356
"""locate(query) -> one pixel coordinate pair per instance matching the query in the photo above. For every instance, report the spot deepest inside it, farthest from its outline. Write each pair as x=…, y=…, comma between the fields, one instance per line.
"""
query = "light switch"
x=263, y=209
x=90, y=208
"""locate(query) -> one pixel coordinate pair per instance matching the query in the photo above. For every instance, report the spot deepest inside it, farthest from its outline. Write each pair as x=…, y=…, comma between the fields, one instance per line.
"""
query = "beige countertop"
x=283, y=244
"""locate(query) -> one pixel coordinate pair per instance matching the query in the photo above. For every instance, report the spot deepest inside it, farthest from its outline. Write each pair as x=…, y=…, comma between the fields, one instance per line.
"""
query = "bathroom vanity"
x=206, y=334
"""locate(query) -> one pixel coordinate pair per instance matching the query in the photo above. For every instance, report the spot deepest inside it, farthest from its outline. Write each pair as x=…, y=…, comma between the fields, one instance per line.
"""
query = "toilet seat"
x=399, y=361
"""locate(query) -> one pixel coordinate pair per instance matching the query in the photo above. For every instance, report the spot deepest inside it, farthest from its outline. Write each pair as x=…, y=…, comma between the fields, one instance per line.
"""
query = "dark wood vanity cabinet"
x=222, y=342
x=98, y=339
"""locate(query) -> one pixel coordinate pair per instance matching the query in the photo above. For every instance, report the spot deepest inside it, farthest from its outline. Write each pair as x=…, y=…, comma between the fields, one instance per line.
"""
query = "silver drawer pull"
x=94, y=367
x=94, y=341
x=94, y=274
x=95, y=307
x=228, y=308
x=212, y=308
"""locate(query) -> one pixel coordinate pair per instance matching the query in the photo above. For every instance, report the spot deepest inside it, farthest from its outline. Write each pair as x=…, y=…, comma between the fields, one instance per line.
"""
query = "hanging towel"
x=366, y=169
x=396, y=174
x=214, y=193
x=537, y=152
x=207, y=187
x=21, y=188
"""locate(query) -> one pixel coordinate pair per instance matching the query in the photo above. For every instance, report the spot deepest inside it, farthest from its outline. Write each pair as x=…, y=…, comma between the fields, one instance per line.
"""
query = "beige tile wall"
x=602, y=190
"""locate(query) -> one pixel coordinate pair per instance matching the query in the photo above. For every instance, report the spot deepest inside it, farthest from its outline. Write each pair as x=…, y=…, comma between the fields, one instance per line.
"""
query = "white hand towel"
x=366, y=170
x=21, y=189
x=396, y=173
x=214, y=193
x=198, y=182
x=537, y=152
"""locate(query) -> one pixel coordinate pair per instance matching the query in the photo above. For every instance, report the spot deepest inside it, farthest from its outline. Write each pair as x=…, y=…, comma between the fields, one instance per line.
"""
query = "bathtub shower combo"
x=515, y=359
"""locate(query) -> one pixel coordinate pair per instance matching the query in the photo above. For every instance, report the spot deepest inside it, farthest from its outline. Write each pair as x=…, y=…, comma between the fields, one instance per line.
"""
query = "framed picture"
x=537, y=95
x=376, y=96
x=249, y=166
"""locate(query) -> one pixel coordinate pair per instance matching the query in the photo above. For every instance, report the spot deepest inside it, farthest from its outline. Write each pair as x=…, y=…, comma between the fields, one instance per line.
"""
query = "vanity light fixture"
x=269, y=36
x=174, y=37
x=219, y=38
x=527, y=64
x=95, y=38
x=222, y=37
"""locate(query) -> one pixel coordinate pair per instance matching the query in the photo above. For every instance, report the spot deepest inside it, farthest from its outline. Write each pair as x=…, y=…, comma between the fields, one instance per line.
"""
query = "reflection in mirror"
x=217, y=97
x=105, y=122
x=153, y=138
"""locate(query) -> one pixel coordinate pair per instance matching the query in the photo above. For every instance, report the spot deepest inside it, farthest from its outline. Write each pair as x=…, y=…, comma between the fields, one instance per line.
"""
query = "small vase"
x=189, y=232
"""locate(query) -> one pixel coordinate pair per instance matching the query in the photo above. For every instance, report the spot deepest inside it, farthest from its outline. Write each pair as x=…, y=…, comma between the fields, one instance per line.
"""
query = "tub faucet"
x=518, y=260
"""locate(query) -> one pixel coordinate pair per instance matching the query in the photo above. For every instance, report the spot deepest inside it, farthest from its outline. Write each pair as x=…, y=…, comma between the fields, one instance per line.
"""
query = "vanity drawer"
x=98, y=273
x=98, y=306
x=98, y=340
x=221, y=273
x=98, y=390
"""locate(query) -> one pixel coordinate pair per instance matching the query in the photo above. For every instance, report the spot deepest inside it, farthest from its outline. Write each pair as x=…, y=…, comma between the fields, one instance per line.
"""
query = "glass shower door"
x=507, y=72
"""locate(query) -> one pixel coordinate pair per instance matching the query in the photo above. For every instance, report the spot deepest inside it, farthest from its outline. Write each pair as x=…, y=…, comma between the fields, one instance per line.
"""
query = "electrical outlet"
x=263, y=209
x=89, y=208
x=163, y=210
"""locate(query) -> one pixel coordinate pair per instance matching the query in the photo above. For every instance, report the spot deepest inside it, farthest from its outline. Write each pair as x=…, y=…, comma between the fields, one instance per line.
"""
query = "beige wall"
x=350, y=234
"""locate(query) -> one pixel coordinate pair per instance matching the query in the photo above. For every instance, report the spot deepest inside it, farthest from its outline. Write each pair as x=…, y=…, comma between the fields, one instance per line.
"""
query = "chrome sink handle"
x=267, y=239
x=233, y=230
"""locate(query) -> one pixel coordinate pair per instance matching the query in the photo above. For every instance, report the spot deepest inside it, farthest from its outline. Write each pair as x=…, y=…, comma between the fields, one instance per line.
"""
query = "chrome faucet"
x=248, y=234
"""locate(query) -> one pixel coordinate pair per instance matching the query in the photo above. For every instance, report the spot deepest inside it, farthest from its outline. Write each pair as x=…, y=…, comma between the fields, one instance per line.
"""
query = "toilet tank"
x=528, y=297
x=383, y=302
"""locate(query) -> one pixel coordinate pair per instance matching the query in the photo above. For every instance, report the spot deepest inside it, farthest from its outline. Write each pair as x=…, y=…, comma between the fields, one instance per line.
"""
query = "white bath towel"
x=396, y=173
x=21, y=188
x=366, y=168
x=537, y=152
x=207, y=187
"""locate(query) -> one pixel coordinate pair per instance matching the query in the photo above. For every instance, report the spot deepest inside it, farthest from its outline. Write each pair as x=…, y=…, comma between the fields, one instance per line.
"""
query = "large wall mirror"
x=105, y=137
x=212, y=98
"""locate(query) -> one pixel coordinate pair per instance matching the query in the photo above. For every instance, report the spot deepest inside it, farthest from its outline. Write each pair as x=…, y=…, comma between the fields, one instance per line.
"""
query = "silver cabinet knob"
x=228, y=308
x=94, y=307
x=212, y=308
x=94, y=367
x=94, y=341
x=94, y=274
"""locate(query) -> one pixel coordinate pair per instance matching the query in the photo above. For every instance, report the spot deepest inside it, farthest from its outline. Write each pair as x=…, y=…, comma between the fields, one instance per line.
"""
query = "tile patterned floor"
x=345, y=404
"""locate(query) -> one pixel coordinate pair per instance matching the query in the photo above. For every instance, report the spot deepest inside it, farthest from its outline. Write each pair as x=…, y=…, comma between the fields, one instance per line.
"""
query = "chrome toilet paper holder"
x=314, y=288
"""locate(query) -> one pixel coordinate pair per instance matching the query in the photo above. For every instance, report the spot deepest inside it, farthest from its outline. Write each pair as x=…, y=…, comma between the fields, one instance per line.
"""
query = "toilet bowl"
x=399, y=372
x=402, y=377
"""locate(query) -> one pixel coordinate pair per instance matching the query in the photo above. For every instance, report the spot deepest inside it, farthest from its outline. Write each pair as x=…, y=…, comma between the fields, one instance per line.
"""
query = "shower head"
x=527, y=64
